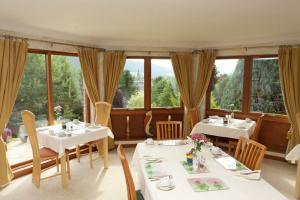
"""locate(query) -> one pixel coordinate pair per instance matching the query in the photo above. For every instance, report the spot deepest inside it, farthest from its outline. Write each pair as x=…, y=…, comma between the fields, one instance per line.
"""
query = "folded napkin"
x=248, y=174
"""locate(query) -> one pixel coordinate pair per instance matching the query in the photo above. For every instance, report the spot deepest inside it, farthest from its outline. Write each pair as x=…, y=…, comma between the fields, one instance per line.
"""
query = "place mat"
x=156, y=169
x=189, y=168
x=230, y=163
x=207, y=184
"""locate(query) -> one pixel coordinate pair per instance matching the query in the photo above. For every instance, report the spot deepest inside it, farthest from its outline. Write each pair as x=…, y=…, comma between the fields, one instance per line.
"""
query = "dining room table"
x=58, y=139
x=234, y=129
x=154, y=162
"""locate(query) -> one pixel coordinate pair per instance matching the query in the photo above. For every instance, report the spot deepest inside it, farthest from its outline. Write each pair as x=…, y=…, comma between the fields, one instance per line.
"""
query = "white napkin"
x=248, y=174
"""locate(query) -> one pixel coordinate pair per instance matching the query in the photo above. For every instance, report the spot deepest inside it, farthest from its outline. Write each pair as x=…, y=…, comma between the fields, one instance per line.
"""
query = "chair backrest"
x=102, y=113
x=169, y=130
x=30, y=127
x=129, y=181
x=194, y=115
x=250, y=153
x=255, y=134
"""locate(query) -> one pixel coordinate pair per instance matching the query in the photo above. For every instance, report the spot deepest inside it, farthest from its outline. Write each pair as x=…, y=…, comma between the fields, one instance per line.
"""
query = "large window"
x=67, y=86
x=32, y=93
x=164, y=91
x=266, y=95
x=130, y=92
x=227, y=84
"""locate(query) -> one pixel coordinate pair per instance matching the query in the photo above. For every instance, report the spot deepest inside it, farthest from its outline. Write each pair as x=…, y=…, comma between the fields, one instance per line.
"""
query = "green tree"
x=127, y=84
x=136, y=100
x=164, y=93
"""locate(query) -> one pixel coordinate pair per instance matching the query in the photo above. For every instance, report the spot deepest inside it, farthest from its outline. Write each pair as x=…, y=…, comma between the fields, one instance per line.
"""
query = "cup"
x=216, y=150
x=76, y=121
x=165, y=182
x=149, y=141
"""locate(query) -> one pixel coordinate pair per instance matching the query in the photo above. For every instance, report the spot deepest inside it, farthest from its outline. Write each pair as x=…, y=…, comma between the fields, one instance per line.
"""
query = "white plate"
x=165, y=188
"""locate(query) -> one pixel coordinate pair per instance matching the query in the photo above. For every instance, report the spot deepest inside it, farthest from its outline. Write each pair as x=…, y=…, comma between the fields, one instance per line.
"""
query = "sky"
x=226, y=66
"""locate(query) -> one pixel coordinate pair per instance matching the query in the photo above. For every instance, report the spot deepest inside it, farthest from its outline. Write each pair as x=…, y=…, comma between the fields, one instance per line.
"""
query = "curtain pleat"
x=289, y=72
x=192, y=81
x=13, y=56
x=113, y=66
x=89, y=65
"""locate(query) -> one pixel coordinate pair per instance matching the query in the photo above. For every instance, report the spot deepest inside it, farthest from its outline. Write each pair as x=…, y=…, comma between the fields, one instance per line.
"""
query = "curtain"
x=12, y=61
x=289, y=72
x=89, y=65
x=192, y=81
x=113, y=66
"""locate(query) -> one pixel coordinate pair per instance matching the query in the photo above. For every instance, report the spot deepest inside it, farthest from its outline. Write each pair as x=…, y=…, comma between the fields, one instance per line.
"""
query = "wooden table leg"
x=64, y=177
x=105, y=152
x=298, y=181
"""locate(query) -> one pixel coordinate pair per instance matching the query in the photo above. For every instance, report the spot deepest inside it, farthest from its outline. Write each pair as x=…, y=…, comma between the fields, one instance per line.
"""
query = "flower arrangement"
x=58, y=111
x=198, y=140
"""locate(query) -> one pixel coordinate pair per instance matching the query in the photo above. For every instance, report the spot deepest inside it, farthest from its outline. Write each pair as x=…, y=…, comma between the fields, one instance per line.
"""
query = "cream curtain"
x=289, y=71
x=12, y=61
x=89, y=65
x=113, y=66
x=192, y=81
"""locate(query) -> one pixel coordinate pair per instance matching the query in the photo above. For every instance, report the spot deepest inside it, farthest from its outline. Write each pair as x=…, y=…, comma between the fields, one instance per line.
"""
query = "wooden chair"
x=39, y=154
x=257, y=129
x=102, y=118
x=194, y=115
x=250, y=153
x=169, y=130
x=232, y=143
x=131, y=192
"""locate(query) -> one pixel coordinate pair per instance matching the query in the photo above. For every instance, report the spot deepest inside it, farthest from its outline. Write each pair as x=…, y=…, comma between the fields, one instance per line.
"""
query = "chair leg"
x=78, y=153
x=98, y=145
x=90, y=155
x=57, y=164
x=68, y=166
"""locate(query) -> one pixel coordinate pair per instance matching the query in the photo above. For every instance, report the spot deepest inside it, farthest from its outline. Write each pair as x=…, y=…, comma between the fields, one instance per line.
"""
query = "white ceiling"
x=148, y=24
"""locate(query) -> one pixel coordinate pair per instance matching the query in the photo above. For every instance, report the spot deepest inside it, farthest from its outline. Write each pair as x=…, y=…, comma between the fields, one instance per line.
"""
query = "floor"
x=109, y=184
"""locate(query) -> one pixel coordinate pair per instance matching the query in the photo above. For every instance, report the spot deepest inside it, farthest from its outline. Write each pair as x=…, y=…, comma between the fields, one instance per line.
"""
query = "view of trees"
x=266, y=95
x=130, y=93
x=227, y=88
x=67, y=89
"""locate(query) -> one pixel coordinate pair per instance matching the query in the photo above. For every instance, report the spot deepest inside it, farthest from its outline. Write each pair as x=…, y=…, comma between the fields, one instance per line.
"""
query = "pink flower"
x=199, y=137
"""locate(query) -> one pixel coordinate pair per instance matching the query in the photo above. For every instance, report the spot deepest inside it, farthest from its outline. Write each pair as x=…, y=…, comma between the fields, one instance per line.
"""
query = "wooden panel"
x=273, y=135
x=137, y=130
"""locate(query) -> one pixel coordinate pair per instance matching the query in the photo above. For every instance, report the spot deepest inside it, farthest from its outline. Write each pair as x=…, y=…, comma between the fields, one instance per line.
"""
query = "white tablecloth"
x=239, y=187
x=80, y=135
x=232, y=130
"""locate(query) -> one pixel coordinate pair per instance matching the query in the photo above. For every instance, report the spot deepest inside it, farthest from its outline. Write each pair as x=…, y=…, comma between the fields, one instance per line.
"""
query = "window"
x=164, y=91
x=227, y=84
x=67, y=86
x=130, y=92
x=266, y=95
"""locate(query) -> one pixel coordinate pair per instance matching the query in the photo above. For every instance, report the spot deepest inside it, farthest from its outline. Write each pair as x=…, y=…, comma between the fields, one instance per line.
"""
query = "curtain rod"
x=47, y=41
x=145, y=51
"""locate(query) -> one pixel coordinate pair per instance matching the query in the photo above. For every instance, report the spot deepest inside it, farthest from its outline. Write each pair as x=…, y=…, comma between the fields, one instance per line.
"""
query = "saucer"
x=165, y=188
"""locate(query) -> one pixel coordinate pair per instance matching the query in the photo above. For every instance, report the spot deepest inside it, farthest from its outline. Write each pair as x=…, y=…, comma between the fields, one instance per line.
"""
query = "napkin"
x=251, y=175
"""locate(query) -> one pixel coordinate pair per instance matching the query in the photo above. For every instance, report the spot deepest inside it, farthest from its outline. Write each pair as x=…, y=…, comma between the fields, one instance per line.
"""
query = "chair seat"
x=46, y=153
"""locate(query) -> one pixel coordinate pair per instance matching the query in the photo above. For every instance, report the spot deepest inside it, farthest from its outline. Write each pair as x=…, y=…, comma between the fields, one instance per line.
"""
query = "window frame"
x=48, y=64
x=147, y=91
x=246, y=97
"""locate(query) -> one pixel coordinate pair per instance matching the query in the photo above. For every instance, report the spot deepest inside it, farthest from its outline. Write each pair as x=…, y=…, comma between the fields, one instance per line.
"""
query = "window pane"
x=266, y=95
x=32, y=96
x=130, y=92
x=164, y=91
x=67, y=87
x=227, y=84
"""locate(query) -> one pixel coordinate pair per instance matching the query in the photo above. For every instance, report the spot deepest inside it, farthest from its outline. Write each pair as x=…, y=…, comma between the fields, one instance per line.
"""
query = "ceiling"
x=148, y=24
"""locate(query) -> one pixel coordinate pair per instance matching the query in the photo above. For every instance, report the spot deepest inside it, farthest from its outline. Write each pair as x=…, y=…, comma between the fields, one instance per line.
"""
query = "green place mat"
x=189, y=168
x=155, y=170
x=207, y=184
